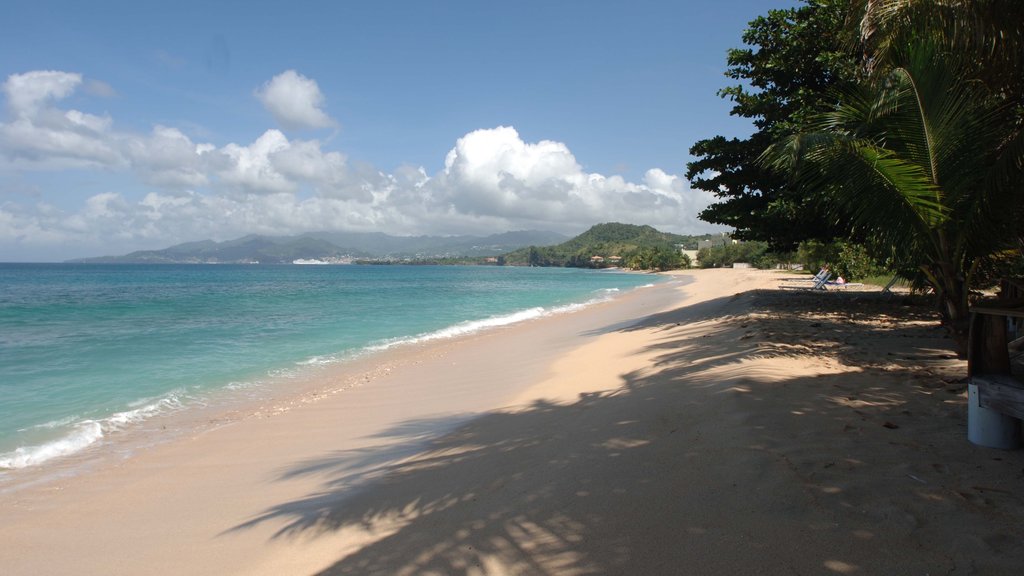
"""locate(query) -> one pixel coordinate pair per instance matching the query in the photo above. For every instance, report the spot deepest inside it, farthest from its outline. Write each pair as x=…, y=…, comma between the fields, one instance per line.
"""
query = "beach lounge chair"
x=823, y=273
x=888, y=287
x=841, y=284
x=818, y=282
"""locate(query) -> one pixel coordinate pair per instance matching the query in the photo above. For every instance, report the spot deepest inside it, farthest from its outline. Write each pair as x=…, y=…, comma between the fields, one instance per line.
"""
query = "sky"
x=140, y=125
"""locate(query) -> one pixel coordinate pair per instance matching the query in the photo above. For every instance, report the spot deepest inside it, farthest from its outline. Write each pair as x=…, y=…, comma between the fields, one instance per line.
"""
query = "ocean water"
x=90, y=351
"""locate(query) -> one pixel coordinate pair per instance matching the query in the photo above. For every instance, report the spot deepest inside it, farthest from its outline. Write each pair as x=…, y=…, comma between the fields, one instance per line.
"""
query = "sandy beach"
x=712, y=426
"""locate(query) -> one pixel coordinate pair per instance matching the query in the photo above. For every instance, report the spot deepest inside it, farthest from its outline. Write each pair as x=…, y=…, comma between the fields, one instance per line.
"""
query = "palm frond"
x=987, y=33
x=856, y=181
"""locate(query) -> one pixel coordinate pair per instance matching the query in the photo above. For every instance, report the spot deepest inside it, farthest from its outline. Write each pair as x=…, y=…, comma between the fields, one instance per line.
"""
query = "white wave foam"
x=318, y=361
x=122, y=419
x=60, y=423
x=473, y=326
x=86, y=433
x=241, y=385
x=464, y=328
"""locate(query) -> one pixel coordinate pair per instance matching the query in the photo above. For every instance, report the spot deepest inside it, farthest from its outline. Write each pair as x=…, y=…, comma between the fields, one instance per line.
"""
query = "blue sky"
x=131, y=125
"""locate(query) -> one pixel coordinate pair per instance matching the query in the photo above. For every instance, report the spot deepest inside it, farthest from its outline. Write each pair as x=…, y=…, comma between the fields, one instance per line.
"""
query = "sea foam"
x=85, y=433
x=233, y=328
x=474, y=326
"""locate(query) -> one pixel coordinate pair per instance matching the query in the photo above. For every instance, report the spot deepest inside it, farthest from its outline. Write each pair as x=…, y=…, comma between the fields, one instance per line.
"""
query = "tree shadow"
x=669, y=473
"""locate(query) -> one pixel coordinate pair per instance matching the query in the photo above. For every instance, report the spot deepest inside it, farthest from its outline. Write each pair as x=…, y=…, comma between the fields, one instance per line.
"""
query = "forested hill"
x=333, y=246
x=612, y=243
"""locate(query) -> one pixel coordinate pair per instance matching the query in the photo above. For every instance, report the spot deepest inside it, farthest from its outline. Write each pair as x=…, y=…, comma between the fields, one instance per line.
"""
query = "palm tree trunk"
x=952, y=291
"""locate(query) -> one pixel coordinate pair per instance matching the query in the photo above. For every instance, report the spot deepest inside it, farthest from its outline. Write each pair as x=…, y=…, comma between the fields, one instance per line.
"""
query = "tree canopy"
x=906, y=135
x=613, y=244
x=792, y=59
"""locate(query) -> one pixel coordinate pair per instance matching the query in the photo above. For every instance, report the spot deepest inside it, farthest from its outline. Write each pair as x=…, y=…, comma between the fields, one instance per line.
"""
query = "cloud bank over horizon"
x=179, y=189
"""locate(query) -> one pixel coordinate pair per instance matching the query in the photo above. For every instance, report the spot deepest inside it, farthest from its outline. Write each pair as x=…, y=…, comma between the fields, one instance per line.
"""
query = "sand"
x=718, y=427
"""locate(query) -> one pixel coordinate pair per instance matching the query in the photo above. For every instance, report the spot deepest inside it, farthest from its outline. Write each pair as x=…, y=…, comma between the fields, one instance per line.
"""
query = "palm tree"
x=921, y=161
x=989, y=33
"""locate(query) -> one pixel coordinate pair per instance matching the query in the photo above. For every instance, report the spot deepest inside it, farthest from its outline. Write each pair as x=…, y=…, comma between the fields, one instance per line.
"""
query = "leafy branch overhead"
x=793, y=59
x=910, y=143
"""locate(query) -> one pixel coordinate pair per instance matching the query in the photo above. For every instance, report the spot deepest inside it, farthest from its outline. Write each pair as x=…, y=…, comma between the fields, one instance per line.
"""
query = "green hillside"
x=610, y=244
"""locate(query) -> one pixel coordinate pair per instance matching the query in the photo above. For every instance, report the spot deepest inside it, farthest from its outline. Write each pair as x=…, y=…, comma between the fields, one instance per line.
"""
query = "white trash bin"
x=990, y=428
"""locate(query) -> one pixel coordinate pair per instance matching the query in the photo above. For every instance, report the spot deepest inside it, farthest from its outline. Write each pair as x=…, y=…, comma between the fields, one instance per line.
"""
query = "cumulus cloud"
x=490, y=180
x=41, y=135
x=494, y=171
x=26, y=93
x=250, y=167
x=295, y=101
x=494, y=174
x=168, y=158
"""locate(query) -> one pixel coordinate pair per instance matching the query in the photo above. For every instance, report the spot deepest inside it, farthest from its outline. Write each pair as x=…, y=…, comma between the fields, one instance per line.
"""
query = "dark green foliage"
x=614, y=235
x=794, y=57
x=754, y=253
x=657, y=258
x=627, y=242
x=847, y=259
x=923, y=164
x=985, y=34
x=894, y=126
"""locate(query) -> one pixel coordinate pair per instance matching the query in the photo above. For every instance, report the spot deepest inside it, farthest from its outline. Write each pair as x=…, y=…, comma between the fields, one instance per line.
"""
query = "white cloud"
x=251, y=167
x=491, y=181
x=168, y=158
x=494, y=175
x=42, y=136
x=26, y=93
x=494, y=171
x=295, y=101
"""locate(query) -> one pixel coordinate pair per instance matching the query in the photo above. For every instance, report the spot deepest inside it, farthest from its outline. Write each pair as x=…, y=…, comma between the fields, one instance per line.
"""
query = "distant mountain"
x=610, y=242
x=336, y=246
x=383, y=245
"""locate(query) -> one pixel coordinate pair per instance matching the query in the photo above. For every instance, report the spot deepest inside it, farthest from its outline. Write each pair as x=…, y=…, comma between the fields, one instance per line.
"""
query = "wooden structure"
x=996, y=396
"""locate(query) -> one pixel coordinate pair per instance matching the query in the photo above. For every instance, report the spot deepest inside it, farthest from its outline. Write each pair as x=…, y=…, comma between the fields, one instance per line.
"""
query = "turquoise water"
x=87, y=351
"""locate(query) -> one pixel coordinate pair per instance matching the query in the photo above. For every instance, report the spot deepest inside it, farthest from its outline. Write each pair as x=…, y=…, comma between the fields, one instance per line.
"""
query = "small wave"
x=122, y=419
x=241, y=385
x=86, y=433
x=287, y=373
x=318, y=361
x=60, y=423
x=473, y=326
x=462, y=329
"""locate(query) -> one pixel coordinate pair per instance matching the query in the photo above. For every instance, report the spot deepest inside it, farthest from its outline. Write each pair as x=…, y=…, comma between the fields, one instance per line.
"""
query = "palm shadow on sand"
x=667, y=474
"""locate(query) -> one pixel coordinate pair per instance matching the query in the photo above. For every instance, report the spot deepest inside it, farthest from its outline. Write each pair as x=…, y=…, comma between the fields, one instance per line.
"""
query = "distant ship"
x=318, y=262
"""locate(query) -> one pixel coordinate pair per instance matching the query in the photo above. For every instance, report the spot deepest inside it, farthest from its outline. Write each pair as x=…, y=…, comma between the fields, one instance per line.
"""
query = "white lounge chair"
x=818, y=282
x=823, y=273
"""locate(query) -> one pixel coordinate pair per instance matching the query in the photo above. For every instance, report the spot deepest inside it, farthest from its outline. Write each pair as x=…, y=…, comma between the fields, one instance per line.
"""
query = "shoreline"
x=280, y=389
x=705, y=428
x=369, y=395
x=275, y=395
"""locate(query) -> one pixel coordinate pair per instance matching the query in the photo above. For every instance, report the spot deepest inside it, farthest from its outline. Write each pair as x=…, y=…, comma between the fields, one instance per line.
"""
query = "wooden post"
x=986, y=345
